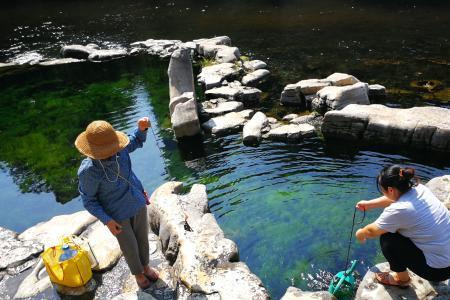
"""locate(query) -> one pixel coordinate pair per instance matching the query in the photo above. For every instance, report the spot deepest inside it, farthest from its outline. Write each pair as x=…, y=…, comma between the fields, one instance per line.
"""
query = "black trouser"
x=402, y=253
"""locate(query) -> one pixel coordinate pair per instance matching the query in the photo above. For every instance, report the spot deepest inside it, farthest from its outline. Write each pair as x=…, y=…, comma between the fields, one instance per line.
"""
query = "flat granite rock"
x=234, y=91
x=218, y=107
x=417, y=127
x=229, y=123
x=420, y=289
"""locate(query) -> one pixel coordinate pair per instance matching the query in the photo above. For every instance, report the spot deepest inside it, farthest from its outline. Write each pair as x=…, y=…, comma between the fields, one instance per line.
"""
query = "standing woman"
x=414, y=228
x=111, y=191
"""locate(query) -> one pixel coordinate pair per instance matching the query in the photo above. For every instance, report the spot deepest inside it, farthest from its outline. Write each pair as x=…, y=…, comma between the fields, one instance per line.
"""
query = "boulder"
x=236, y=92
x=292, y=96
x=227, y=54
x=377, y=91
x=104, y=55
x=337, y=97
x=213, y=76
x=205, y=261
x=14, y=252
x=252, y=130
x=181, y=79
x=50, y=232
x=440, y=186
x=421, y=289
x=218, y=107
x=104, y=246
x=78, y=51
x=293, y=293
x=253, y=65
x=291, y=132
x=185, y=120
x=180, y=99
x=229, y=123
x=210, y=43
x=255, y=77
x=312, y=86
x=417, y=127
x=341, y=79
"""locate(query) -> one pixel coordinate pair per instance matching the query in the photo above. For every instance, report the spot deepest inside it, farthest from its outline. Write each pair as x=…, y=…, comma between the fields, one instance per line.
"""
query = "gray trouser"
x=133, y=241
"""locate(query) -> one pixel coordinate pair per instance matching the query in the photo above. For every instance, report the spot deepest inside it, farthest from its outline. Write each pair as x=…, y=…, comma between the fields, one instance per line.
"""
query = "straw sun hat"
x=100, y=140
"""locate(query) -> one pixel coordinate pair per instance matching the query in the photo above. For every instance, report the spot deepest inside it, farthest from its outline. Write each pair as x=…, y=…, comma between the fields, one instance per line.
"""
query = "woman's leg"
x=140, y=229
x=402, y=253
x=129, y=246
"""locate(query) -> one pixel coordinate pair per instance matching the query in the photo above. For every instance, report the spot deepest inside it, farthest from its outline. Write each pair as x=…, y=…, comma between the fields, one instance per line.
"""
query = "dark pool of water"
x=288, y=207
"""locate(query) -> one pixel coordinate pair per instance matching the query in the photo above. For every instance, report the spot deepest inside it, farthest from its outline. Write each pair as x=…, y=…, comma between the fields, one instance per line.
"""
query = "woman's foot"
x=392, y=279
x=142, y=281
x=151, y=274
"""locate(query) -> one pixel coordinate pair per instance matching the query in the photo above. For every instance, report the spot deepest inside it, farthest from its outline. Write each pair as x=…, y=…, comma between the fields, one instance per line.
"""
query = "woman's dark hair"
x=397, y=177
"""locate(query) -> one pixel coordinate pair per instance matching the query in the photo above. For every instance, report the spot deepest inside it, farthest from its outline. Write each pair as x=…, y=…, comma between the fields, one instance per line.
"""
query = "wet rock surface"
x=417, y=127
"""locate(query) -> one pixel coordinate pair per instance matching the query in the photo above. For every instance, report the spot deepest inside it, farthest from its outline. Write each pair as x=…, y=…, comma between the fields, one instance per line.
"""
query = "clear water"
x=288, y=207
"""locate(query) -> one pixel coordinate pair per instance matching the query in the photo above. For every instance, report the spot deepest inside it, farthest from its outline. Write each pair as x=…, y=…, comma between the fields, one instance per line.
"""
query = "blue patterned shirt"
x=105, y=197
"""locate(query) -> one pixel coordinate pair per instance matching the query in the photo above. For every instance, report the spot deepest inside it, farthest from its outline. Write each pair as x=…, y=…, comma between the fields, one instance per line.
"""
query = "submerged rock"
x=293, y=293
x=255, y=77
x=421, y=289
x=291, y=132
x=417, y=127
x=338, y=97
x=231, y=122
x=252, y=130
x=217, y=107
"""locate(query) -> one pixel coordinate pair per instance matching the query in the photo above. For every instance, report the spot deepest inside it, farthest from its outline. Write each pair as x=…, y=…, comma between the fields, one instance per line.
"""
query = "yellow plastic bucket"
x=74, y=272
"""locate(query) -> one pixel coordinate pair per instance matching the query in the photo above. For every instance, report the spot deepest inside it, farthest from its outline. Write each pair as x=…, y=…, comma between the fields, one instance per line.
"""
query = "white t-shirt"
x=421, y=217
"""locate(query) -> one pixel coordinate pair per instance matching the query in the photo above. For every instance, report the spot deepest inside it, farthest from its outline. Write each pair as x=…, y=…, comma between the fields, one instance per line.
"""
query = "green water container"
x=343, y=284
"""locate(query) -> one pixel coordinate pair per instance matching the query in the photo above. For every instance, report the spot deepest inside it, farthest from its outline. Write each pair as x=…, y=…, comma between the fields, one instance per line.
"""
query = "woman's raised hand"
x=144, y=123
